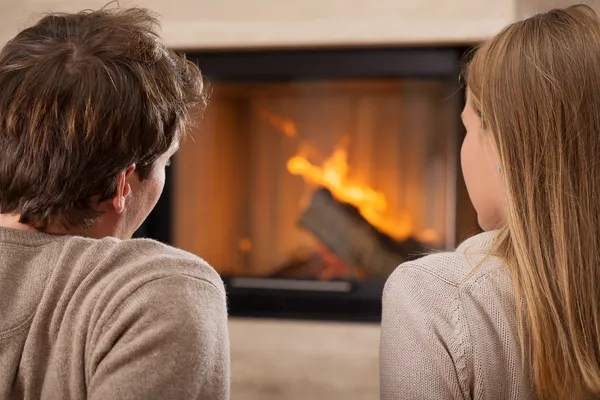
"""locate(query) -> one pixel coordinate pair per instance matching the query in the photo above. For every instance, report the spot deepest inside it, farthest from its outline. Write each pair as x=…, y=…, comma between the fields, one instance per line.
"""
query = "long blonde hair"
x=536, y=86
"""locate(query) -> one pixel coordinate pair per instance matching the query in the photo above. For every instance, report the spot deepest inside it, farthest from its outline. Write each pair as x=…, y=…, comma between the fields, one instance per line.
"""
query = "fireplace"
x=315, y=173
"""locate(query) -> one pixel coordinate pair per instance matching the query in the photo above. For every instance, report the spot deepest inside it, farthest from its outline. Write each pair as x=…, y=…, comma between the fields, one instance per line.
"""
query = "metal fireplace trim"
x=331, y=300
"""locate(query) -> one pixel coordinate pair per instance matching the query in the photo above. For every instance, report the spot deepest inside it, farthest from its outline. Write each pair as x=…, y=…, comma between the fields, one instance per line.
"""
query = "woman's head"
x=534, y=106
x=92, y=105
x=534, y=89
x=482, y=170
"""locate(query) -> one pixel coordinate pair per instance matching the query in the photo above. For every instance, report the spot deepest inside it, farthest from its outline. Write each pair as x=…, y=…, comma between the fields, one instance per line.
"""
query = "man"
x=92, y=106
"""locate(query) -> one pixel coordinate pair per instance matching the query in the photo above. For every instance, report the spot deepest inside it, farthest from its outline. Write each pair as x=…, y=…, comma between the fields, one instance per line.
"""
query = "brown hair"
x=82, y=97
x=536, y=86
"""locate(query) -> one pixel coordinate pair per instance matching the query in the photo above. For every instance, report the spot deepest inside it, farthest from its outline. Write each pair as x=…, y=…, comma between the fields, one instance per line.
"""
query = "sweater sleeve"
x=422, y=348
x=168, y=340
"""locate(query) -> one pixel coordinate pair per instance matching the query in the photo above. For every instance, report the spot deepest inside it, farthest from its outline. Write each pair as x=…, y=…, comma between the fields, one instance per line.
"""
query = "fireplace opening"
x=306, y=186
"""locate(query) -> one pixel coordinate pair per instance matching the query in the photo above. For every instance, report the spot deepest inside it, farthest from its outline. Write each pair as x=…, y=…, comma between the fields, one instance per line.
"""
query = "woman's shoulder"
x=449, y=291
x=457, y=269
x=451, y=311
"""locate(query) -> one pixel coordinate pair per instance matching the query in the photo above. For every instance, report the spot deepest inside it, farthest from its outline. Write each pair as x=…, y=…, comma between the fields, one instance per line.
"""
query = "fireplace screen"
x=319, y=180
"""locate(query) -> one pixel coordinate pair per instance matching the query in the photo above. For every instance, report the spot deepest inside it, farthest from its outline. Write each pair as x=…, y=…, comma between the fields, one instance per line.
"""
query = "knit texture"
x=449, y=328
x=109, y=319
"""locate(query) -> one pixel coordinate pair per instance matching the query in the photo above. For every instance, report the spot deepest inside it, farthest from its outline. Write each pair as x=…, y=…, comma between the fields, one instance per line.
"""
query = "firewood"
x=342, y=228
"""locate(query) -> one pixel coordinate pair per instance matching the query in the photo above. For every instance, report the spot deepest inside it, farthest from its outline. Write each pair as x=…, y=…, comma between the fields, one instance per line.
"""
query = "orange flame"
x=369, y=202
x=285, y=125
x=332, y=175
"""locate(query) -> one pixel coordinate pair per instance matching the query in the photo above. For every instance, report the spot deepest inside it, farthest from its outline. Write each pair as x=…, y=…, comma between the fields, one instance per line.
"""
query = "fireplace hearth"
x=316, y=172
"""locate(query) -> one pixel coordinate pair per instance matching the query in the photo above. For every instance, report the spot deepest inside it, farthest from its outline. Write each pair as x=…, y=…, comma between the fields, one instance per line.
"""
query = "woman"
x=514, y=313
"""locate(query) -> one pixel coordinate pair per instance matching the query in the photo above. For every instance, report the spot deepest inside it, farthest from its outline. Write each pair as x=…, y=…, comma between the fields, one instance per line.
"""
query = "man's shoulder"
x=164, y=259
x=156, y=308
x=126, y=264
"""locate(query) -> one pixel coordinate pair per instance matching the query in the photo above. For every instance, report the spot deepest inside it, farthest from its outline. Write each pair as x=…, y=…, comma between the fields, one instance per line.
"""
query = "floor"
x=291, y=360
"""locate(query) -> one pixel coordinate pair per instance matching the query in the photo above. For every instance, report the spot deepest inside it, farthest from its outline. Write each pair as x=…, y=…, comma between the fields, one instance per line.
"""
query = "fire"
x=285, y=125
x=333, y=175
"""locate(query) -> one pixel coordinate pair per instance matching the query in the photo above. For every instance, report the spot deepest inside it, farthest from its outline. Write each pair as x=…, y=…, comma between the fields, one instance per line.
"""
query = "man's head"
x=92, y=106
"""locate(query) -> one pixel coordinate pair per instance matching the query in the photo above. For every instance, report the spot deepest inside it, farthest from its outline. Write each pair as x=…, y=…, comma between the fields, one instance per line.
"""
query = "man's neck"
x=12, y=221
x=102, y=227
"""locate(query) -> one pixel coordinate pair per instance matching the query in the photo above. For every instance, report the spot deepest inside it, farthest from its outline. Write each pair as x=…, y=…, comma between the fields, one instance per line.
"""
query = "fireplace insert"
x=314, y=173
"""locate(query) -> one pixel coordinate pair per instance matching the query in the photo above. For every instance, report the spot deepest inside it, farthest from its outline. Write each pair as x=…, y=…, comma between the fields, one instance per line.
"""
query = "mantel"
x=223, y=24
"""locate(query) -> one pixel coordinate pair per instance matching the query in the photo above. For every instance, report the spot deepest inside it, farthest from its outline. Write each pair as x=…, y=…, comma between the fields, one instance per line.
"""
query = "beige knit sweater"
x=109, y=319
x=449, y=331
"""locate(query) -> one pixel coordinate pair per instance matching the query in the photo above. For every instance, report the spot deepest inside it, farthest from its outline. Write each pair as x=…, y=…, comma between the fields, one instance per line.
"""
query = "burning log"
x=342, y=228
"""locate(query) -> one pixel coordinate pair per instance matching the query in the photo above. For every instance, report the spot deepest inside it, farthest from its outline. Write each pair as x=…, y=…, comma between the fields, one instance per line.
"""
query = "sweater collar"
x=26, y=238
x=480, y=243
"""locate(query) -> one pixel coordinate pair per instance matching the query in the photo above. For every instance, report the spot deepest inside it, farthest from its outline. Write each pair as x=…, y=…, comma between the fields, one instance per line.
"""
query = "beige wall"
x=237, y=23
x=276, y=23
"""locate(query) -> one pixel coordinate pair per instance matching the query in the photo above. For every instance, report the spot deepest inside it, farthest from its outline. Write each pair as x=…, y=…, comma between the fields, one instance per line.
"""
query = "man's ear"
x=123, y=189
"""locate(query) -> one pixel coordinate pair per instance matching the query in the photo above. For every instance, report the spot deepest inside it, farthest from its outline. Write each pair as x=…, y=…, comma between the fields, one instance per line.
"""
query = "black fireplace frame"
x=343, y=300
